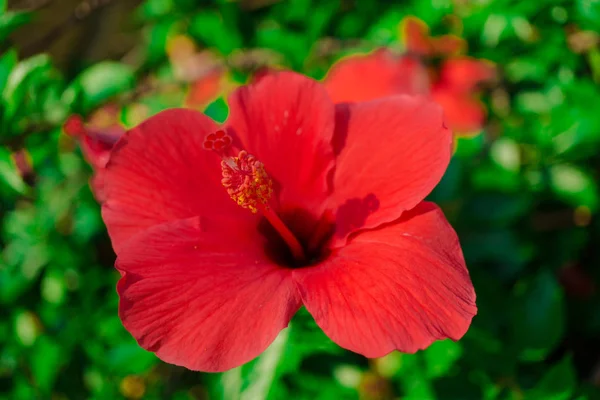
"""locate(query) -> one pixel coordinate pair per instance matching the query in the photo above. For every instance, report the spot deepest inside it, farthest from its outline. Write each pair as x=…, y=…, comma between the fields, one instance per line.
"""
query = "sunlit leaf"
x=558, y=383
x=441, y=356
x=47, y=357
x=574, y=186
x=212, y=30
x=8, y=61
x=17, y=90
x=99, y=83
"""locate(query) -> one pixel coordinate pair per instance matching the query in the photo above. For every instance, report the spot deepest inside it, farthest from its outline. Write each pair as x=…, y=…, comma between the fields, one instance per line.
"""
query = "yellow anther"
x=246, y=181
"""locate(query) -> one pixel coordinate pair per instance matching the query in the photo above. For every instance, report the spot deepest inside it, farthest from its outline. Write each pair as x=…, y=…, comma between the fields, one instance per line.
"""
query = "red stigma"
x=249, y=185
x=217, y=141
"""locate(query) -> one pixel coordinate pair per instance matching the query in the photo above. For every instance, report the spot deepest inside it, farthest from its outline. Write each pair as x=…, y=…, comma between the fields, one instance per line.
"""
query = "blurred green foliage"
x=523, y=197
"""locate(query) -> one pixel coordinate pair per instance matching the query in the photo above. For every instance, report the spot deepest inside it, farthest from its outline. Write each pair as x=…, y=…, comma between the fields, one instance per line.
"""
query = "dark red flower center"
x=249, y=185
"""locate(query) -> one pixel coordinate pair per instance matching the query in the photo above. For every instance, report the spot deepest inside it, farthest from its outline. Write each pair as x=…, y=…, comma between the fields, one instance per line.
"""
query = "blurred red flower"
x=328, y=213
x=206, y=89
x=418, y=40
x=97, y=139
x=379, y=74
x=203, y=70
x=454, y=86
x=455, y=89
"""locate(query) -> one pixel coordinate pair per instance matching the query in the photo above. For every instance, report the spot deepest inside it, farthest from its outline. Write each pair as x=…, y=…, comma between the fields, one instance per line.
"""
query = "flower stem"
x=261, y=373
x=265, y=370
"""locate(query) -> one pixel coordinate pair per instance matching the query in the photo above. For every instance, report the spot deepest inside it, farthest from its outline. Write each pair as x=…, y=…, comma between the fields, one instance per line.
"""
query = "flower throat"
x=249, y=185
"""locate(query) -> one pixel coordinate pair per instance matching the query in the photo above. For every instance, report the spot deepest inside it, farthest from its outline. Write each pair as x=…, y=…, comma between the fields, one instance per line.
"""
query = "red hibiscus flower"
x=375, y=75
x=380, y=74
x=327, y=212
x=456, y=91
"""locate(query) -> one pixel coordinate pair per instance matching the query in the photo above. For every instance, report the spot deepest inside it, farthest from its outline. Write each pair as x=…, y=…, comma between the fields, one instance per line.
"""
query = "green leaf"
x=291, y=44
x=493, y=178
x=7, y=62
x=385, y=30
x=500, y=247
x=16, y=88
x=432, y=11
x=415, y=382
x=296, y=11
x=594, y=60
x=441, y=356
x=589, y=12
x=574, y=186
x=525, y=68
x=498, y=209
x=152, y=9
x=495, y=28
x=558, y=383
x=576, y=125
x=217, y=110
x=156, y=37
x=320, y=19
x=101, y=82
x=27, y=327
x=468, y=147
x=23, y=388
x=213, y=30
x=32, y=96
x=86, y=222
x=9, y=176
x=47, y=356
x=129, y=358
x=538, y=321
x=506, y=154
x=533, y=102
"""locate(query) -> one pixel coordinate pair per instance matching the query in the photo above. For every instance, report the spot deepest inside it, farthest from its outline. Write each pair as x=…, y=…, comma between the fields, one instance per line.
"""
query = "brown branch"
x=30, y=5
x=82, y=11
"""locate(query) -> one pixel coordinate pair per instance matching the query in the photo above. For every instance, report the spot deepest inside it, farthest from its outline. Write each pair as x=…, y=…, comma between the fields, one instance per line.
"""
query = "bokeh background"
x=521, y=191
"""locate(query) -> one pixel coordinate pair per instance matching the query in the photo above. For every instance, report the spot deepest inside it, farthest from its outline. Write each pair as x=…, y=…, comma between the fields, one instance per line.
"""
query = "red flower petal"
x=201, y=293
x=449, y=44
x=464, y=74
x=400, y=287
x=393, y=153
x=96, y=140
x=416, y=36
x=375, y=75
x=97, y=185
x=464, y=113
x=159, y=172
x=96, y=150
x=286, y=121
